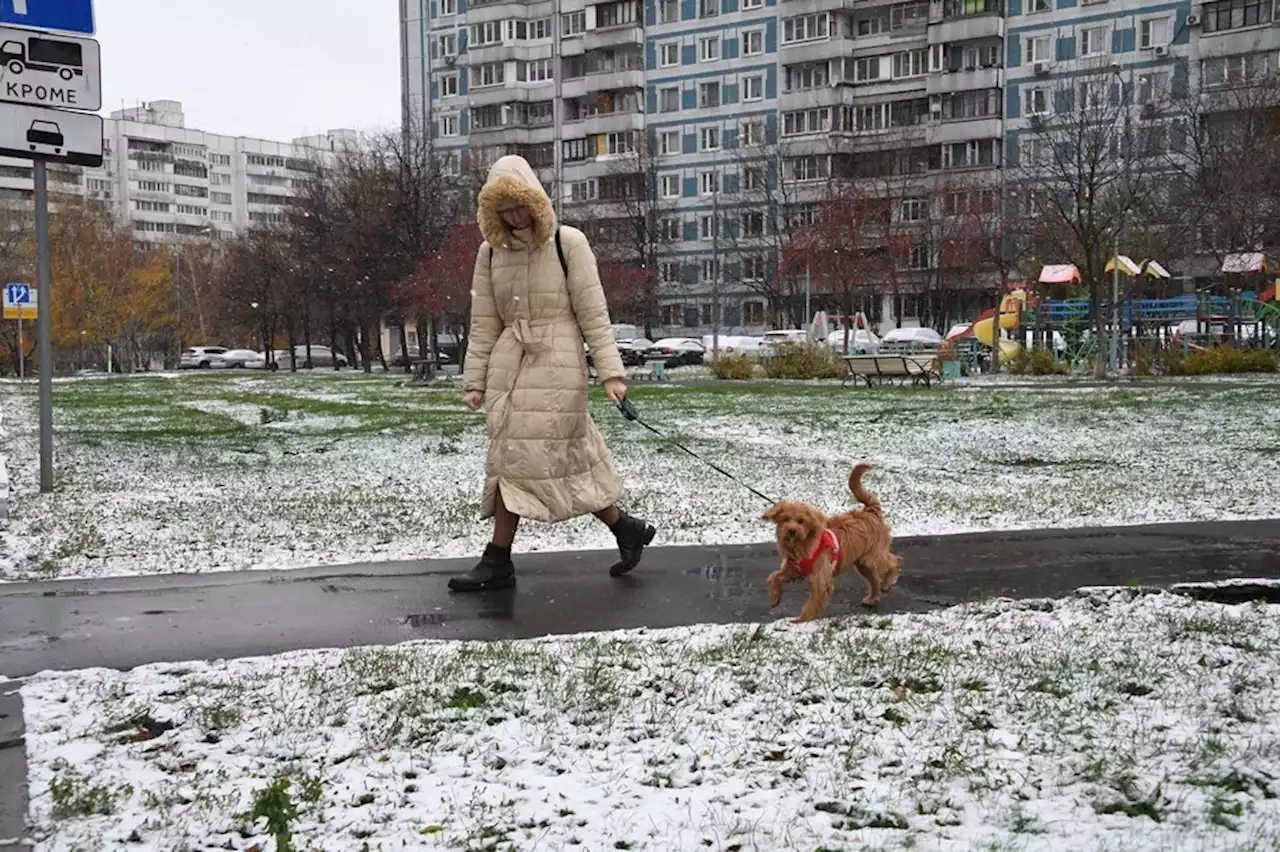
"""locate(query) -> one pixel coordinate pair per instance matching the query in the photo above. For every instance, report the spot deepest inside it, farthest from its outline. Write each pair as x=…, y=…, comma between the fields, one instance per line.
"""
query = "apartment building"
x=731, y=117
x=171, y=182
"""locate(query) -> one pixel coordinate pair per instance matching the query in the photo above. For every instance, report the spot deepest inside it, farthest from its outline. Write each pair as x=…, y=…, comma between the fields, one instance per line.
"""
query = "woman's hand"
x=473, y=400
x=616, y=389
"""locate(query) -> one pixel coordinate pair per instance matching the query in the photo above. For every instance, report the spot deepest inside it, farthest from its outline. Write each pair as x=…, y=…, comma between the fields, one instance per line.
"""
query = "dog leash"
x=628, y=410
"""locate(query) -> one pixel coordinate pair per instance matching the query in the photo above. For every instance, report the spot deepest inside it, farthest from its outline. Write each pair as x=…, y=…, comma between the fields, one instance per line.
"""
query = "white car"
x=862, y=341
x=201, y=357
x=321, y=356
x=241, y=359
x=910, y=340
x=773, y=339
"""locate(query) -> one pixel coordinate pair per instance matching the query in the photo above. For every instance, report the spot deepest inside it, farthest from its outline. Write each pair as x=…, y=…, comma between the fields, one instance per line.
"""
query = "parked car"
x=910, y=340
x=321, y=356
x=773, y=339
x=401, y=360
x=676, y=351
x=633, y=351
x=201, y=357
x=862, y=341
x=241, y=359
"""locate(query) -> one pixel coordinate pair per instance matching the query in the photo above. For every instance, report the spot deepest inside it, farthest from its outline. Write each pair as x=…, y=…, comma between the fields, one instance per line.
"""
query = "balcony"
x=967, y=28
x=962, y=130
x=603, y=81
x=944, y=82
x=613, y=37
x=815, y=51
x=612, y=122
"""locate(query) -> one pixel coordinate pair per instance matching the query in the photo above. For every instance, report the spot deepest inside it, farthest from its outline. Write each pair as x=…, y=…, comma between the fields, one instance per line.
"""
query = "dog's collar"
x=826, y=541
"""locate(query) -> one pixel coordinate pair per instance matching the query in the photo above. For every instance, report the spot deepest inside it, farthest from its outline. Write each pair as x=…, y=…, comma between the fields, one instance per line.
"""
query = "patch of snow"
x=363, y=468
x=1107, y=721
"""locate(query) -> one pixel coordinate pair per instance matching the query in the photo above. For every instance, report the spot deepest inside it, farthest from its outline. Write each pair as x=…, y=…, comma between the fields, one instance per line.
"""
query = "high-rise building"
x=169, y=181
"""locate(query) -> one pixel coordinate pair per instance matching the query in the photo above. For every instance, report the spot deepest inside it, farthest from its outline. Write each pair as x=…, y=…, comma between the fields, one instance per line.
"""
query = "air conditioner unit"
x=1161, y=50
x=451, y=60
x=1193, y=20
x=1041, y=69
x=1037, y=122
x=1148, y=111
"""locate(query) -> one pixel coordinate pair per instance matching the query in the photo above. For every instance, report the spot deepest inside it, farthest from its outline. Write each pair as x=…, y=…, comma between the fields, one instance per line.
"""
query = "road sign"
x=47, y=70
x=74, y=16
x=29, y=132
x=20, y=302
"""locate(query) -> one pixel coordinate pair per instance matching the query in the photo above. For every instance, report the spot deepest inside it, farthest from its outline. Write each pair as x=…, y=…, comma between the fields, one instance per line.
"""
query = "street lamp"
x=1115, y=254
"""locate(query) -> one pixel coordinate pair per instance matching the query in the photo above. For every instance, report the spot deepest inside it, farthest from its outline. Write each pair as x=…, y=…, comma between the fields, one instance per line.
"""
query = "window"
x=577, y=150
x=486, y=33
x=670, y=56
x=708, y=95
x=1037, y=49
x=671, y=186
x=446, y=45
x=1034, y=150
x=673, y=315
x=220, y=159
x=150, y=166
x=870, y=26
x=669, y=229
x=449, y=125
x=220, y=197
x=753, y=88
x=620, y=143
x=752, y=133
x=752, y=42
x=804, y=121
x=448, y=7
x=1095, y=41
x=753, y=312
x=910, y=63
x=710, y=272
x=914, y=209
x=709, y=49
x=753, y=224
x=151, y=206
x=573, y=23
x=906, y=15
x=981, y=103
x=669, y=272
x=865, y=119
x=616, y=14
x=813, y=167
x=669, y=11
x=192, y=210
x=490, y=74
x=1153, y=32
x=1093, y=94
x=964, y=155
x=1036, y=101
x=1039, y=5
x=814, y=75
x=669, y=99
x=222, y=215
x=805, y=28
x=866, y=69
x=978, y=56
x=449, y=85
x=669, y=143
x=748, y=5
x=709, y=139
x=152, y=186
x=709, y=183
x=708, y=227
x=1235, y=14
x=752, y=178
x=582, y=190
x=1152, y=87
x=708, y=8
x=537, y=71
x=918, y=257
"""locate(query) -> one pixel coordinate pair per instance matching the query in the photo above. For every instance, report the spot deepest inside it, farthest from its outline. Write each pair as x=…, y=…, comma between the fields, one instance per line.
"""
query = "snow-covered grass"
x=225, y=472
x=1114, y=720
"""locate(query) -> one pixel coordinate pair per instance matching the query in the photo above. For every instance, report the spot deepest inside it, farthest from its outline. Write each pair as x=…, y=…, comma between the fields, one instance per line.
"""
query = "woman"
x=535, y=295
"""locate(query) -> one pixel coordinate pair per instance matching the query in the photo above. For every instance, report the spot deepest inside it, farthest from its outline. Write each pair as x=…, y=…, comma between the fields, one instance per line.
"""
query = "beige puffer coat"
x=525, y=354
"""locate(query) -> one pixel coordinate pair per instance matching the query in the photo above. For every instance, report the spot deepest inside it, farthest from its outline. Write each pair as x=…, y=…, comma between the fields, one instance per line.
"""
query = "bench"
x=920, y=369
x=424, y=370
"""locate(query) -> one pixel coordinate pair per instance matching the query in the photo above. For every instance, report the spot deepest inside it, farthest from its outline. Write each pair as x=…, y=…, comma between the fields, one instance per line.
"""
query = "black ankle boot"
x=494, y=571
x=633, y=536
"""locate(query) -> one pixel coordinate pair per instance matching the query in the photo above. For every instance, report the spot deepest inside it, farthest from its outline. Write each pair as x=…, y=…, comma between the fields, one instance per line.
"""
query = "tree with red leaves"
x=630, y=290
x=438, y=291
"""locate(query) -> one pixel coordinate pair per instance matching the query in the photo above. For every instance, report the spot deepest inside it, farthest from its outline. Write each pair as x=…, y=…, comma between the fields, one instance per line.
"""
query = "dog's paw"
x=871, y=600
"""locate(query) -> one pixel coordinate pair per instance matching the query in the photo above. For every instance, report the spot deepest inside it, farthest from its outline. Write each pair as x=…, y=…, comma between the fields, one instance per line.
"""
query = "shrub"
x=1037, y=362
x=803, y=361
x=1223, y=359
x=734, y=367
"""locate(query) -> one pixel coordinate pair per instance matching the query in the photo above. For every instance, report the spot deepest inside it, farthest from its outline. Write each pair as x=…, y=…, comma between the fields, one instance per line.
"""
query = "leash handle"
x=628, y=410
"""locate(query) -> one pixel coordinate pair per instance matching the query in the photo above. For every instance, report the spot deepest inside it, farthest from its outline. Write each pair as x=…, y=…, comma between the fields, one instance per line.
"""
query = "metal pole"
x=22, y=348
x=808, y=286
x=44, y=330
x=1115, y=304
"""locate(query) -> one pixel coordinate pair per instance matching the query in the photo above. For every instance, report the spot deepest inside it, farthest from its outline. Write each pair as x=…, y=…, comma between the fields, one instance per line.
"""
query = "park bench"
x=919, y=369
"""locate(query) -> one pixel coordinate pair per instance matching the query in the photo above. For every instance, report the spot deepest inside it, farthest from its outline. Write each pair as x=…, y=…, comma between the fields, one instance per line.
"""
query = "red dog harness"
x=826, y=541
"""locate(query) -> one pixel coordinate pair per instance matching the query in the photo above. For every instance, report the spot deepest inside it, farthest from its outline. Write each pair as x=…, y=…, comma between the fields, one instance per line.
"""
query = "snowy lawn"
x=203, y=472
x=1114, y=720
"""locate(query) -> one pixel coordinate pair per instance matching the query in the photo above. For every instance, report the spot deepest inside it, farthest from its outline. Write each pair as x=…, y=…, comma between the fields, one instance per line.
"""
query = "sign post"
x=44, y=76
x=20, y=304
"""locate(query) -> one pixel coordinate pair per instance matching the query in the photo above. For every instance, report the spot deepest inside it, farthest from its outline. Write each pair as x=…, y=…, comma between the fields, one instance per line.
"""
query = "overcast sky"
x=273, y=69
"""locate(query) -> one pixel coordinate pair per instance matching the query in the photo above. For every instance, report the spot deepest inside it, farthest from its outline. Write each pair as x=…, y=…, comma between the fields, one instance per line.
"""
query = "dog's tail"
x=865, y=497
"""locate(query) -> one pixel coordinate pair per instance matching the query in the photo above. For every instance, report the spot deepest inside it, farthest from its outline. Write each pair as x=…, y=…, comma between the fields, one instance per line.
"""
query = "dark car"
x=677, y=351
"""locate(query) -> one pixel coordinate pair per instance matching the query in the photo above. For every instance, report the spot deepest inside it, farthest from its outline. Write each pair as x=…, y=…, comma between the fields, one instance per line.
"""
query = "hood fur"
x=512, y=179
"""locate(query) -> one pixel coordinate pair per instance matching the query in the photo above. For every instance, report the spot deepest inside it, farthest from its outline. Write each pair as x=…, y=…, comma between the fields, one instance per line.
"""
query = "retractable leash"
x=628, y=411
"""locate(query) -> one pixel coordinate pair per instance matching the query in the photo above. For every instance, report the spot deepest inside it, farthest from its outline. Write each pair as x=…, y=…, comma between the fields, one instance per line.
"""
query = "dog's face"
x=799, y=526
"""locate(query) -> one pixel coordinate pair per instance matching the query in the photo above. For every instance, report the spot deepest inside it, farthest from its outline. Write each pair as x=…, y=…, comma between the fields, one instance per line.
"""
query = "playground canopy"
x=1060, y=273
x=1155, y=270
x=1243, y=262
x=1126, y=264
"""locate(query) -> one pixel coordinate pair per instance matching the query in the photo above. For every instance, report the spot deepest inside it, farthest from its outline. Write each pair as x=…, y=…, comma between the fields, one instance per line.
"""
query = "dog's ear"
x=773, y=513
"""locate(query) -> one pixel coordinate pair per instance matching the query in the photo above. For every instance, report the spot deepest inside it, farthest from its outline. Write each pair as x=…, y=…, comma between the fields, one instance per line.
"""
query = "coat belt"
x=522, y=331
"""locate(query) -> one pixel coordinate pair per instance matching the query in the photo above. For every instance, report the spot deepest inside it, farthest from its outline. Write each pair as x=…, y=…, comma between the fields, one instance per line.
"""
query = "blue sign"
x=72, y=16
x=17, y=294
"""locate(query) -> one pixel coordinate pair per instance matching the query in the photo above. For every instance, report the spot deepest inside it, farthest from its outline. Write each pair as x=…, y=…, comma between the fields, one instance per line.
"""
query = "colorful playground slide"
x=984, y=327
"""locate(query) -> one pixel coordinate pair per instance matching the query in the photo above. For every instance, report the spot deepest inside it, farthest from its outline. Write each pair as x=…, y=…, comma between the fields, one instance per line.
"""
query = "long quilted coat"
x=525, y=353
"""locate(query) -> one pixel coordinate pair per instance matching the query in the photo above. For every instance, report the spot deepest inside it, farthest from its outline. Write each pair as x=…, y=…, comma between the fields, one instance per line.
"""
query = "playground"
x=1139, y=329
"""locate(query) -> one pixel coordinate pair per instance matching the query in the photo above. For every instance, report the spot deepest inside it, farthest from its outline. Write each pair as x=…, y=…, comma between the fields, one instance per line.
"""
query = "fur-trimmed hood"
x=512, y=179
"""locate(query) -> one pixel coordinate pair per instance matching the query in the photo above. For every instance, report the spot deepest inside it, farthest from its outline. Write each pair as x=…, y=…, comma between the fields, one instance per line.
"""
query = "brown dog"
x=819, y=548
